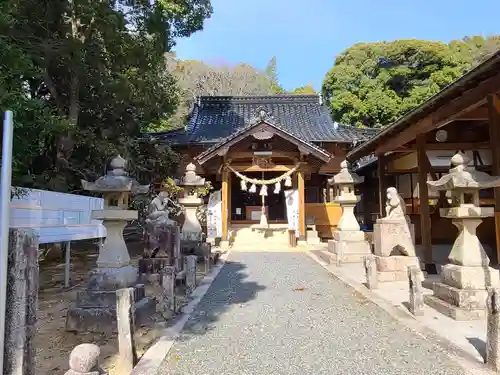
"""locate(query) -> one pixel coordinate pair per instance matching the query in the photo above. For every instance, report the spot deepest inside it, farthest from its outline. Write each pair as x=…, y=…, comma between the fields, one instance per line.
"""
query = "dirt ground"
x=53, y=343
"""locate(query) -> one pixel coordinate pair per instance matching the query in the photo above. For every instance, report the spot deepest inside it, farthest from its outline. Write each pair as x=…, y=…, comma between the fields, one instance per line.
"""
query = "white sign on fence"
x=57, y=217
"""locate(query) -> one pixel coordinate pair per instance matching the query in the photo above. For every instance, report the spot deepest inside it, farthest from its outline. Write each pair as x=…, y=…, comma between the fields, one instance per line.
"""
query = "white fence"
x=57, y=217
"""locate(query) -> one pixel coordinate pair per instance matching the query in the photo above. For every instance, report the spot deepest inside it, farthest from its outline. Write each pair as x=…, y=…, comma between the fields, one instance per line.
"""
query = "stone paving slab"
x=282, y=313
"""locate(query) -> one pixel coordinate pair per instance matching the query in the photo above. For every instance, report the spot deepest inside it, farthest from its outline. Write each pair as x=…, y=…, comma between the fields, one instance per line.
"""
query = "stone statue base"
x=394, y=267
x=462, y=294
x=394, y=237
x=95, y=310
x=348, y=247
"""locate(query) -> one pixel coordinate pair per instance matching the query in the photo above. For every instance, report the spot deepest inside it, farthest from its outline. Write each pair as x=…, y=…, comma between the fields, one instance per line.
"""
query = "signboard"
x=292, y=210
x=214, y=215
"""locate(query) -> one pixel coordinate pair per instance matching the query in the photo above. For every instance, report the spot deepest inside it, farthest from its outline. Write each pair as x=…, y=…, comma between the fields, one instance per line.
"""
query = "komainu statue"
x=394, y=232
x=159, y=227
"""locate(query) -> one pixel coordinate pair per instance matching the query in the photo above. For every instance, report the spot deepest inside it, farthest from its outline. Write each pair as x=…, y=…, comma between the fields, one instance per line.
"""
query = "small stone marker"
x=371, y=272
x=340, y=253
x=190, y=273
x=125, y=306
x=168, y=288
x=416, y=300
x=206, y=250
x=84, y=360
x=493, y=329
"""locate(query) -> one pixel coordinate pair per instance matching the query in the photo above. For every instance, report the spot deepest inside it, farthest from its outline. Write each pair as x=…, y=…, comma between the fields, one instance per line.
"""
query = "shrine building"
x=268, y=155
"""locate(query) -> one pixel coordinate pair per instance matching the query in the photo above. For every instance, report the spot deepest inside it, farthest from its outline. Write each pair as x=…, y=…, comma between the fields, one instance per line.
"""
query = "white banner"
x=292, y=210
x=214, y=215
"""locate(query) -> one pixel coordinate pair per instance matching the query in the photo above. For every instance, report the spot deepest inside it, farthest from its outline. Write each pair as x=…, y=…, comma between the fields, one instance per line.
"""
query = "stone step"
x=313, y=240
x=464, y=298
x=452, y=311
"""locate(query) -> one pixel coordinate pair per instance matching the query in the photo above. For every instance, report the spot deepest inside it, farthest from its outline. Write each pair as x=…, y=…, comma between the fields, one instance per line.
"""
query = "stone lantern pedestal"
x=348, y=244
x=95, y=308
x=462, y=294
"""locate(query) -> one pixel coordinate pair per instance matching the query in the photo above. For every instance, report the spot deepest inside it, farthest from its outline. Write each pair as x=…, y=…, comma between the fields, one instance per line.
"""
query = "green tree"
x=272, y=74
x=95, y=72
x=304, y=90
x=373, y=84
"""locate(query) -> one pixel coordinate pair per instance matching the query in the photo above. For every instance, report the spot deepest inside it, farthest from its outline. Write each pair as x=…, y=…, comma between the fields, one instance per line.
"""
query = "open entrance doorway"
x=246, y=207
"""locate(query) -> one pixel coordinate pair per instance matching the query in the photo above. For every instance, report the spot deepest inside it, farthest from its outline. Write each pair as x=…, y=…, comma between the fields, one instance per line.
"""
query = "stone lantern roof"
x=462, y=176
x=346, y=176
x=116, y=180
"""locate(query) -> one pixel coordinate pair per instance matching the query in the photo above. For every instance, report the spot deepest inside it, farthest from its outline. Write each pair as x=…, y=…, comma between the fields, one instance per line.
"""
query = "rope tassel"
x=243, y=185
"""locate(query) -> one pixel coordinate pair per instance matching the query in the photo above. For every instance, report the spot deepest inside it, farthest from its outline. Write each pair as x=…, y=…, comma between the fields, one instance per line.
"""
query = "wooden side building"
x=465, y=116
x=263, y=137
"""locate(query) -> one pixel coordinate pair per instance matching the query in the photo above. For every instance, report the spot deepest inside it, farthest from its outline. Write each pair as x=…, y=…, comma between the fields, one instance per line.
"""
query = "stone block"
x=453, y=311
x=394, y=238
x=493, y=329
x=112, y=278
x=95, y=311
x=371, y=272
x=464, y=298
x=390, y=276
x=416, y=294
x=190, y=267
x=463, y=277
x=396, y=263
x=349, y=236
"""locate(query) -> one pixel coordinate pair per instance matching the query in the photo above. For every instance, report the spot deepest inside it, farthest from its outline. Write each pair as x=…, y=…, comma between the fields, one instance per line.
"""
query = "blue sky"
x=306, y=35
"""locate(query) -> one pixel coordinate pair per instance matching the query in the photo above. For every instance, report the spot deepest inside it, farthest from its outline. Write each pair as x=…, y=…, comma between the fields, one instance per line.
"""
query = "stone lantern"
x=461, y=294
x=95, y=308
x=348, y=244
x=190, y=182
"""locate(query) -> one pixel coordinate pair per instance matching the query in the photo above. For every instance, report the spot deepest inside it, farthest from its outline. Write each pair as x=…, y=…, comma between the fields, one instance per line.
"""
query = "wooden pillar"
x=494, y=123
x=225, y=203
x=424, y=210
x=302, y=205
x=382, y=183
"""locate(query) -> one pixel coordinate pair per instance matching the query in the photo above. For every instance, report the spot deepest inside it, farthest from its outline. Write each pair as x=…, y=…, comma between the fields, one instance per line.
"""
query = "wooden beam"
x=494, y=124
x=423, y=192
x=382, y=183
x=448, y=112
x=225, y=203
x=275, y=154
x=276, y=168
x=455, y=146
x=302, y=205
x=477, y=114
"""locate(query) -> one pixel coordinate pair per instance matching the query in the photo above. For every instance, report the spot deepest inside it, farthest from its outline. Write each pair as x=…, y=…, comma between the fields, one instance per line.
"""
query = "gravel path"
x=282, y=313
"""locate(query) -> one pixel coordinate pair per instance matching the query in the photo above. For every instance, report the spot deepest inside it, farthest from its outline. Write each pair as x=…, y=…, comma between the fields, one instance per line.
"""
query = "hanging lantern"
x=263, y=190
x=243, y=185
x=288, y=181
x=277, y=187
x=252, y=189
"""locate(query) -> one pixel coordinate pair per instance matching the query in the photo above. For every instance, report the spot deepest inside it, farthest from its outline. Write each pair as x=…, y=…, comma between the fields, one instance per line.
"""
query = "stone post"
x=416, y=300
x=168, y=301
x=84, y=360
x=125, y=307
x=177, y=250
x=348, y=244
x=190, y=263
x=22, y=301
x=461, y=294
x=371, y=272
x=493, y=329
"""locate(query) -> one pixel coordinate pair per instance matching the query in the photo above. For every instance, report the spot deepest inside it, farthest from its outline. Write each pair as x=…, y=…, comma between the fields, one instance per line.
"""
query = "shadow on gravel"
x=229, y=288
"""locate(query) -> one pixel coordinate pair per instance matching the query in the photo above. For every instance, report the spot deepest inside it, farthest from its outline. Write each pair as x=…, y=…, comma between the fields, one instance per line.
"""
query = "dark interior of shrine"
x=244, y=202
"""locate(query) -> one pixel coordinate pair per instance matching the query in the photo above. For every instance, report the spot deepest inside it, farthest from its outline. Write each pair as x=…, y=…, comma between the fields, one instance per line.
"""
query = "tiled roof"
x=215, y=118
